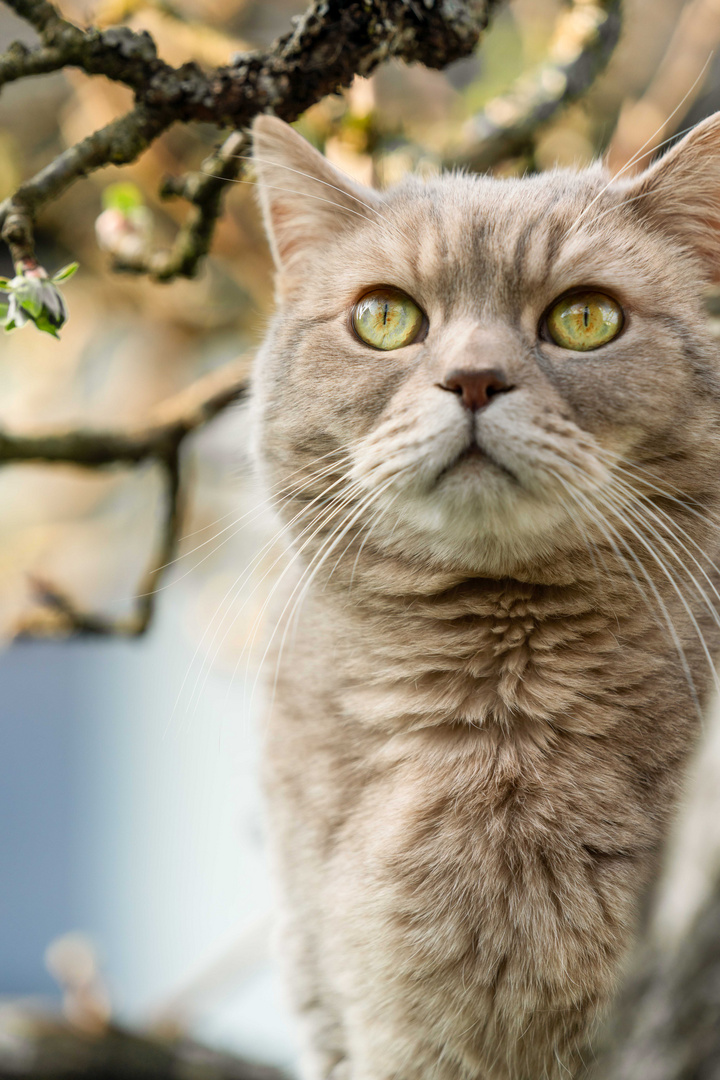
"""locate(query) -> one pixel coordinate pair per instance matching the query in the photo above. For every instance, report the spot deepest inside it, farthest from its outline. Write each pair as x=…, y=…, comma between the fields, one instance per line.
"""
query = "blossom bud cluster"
x=34, y=297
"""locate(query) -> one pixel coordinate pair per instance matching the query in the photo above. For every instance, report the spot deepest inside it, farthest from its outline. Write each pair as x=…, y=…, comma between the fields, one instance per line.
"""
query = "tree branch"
x=204, y=190
x=160, y=440
x=60, y=617
x=19, y=62
x=331, y=43
x=584, y=41
x=47, y=1048
x=118, y=143
x=39, y=13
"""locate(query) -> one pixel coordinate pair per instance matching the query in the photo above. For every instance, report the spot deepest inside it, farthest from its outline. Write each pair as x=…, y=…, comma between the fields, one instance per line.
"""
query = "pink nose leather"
x=476, y=388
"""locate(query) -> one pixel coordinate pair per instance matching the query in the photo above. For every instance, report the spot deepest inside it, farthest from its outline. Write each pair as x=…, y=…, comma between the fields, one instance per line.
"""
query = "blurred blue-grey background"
x=137, y=826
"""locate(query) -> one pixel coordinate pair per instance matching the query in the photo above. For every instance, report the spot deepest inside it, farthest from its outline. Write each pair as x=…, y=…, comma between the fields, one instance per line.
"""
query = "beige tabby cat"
x=489, y=414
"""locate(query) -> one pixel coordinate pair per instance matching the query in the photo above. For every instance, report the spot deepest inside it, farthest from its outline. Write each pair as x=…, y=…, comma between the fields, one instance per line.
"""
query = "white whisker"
x=236, y=587
x=609, y=531
x=327, y=184
x=663, y=567
x=336, y=506
x=313, y=569
x=638, y=155
x=307, y=195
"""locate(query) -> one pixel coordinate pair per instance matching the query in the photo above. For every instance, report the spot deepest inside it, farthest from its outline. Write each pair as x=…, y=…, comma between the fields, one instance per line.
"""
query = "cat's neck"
x=382, y=581
x=419, y=648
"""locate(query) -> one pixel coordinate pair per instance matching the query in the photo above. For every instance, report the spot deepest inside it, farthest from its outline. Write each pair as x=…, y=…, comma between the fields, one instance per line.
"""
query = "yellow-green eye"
x=387, y=319
x=584, y=321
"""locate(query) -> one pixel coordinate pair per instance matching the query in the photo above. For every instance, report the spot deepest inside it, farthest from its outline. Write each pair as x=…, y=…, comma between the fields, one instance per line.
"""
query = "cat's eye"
x=387, y=319
x=584, y=320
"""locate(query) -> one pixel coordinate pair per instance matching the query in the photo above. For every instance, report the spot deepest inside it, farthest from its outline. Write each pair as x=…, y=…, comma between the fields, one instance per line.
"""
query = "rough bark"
x=331, y=43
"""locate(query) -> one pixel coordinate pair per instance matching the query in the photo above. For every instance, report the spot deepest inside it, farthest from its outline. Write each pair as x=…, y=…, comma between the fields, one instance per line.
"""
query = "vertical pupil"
x=586, y=317
x=385, y=313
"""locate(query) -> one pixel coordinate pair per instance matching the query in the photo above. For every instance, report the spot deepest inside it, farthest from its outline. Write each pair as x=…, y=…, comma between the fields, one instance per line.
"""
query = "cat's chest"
x=502, y=667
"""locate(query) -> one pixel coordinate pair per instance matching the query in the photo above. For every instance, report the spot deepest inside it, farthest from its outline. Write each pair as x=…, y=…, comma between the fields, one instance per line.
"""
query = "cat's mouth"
x=471, y=453
x=474, y=457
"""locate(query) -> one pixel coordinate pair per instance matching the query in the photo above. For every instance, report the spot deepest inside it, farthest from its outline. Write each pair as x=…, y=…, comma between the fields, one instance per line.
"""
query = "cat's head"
x=474, y=371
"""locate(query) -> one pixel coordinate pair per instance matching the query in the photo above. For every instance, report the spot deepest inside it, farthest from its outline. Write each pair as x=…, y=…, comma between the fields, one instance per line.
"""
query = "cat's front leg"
x=389, y=1047
x=321, y=1057
x=322, y=1052
x=322, y=1044
x=444, y=967
x=400, y=1018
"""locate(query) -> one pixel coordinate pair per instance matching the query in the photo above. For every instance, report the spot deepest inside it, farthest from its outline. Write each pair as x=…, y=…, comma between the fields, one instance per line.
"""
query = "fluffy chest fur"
x=485, y=779
x=501, y=655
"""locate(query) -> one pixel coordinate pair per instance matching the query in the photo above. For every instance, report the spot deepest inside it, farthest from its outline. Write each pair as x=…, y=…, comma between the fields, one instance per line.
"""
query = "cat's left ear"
x=680, y=193
x=305, y=199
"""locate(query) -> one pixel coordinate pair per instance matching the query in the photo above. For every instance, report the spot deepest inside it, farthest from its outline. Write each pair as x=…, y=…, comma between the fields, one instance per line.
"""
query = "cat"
x=488, y=413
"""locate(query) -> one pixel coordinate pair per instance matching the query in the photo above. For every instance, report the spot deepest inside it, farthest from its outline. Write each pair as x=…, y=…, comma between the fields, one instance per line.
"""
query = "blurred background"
x=130, y=810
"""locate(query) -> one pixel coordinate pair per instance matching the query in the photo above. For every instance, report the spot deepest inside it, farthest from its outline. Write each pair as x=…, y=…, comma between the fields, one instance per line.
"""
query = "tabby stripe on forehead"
x=555, y=233
x=308, y=321
x=412, y=261
x=480, y=233
x=441, y=235
x=518, y=264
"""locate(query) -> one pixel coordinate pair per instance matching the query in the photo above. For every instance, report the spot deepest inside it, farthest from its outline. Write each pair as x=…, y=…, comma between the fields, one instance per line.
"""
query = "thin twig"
x=158, y=439
x=204, y=190
x=39, y=1046
x=583, y=43
x=161, y=440
x=118, y=143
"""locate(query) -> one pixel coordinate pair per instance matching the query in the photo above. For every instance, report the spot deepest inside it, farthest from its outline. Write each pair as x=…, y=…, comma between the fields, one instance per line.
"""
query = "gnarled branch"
x=204, y=190
x=332, y=42
x=159, y=440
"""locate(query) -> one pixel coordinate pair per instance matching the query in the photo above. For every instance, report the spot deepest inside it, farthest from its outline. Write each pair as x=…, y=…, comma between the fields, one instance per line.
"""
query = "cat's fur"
x=479, y=715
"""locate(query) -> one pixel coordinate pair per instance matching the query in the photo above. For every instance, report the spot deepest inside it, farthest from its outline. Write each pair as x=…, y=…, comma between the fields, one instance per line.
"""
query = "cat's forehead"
x=456, y=207
x=463, y=237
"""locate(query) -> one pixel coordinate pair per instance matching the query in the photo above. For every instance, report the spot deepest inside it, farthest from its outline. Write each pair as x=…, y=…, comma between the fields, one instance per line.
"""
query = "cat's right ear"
x=680, y=193
x=304, y=198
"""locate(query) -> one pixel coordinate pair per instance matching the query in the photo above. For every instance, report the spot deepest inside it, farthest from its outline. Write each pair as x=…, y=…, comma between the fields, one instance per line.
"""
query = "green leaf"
x=66, y=272
x=4, y=308
x=46, y=326
x=123, y=197
x=4, y=283
x=32, y=304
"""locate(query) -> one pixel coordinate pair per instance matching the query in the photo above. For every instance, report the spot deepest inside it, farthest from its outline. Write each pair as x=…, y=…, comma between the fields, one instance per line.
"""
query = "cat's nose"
x=476, y=388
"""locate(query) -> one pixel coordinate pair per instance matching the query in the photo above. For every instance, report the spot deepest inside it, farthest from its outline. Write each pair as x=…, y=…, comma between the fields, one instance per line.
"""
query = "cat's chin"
x=476, y=516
